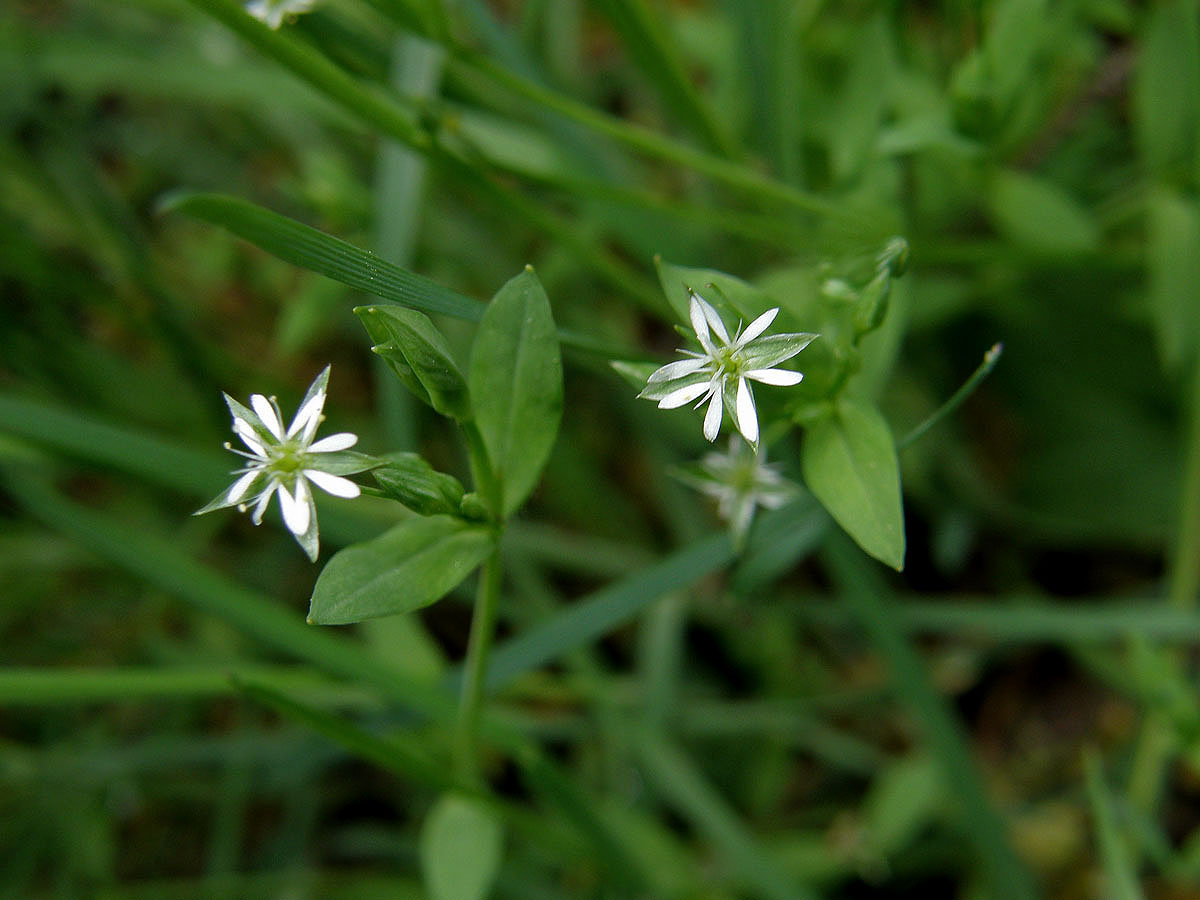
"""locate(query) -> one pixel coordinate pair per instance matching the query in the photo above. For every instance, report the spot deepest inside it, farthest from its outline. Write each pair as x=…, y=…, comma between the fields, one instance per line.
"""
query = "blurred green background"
x=1041, y=158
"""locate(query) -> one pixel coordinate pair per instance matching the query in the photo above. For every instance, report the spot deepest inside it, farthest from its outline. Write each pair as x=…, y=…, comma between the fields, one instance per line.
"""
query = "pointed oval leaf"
x=460, y=848
x=732, y=296
x=416, y=351
x=409, y=479
x=849, y=462
x=516, y=385
x=1041, y=216
x=1173, y=260
x=403, y=569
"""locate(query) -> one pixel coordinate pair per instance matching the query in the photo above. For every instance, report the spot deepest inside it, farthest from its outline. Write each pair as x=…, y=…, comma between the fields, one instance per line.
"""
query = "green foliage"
x=405, y=568
x=850, y=464
x=408, y=478
x=461, y=843
x=663, y=714
x=516, y=386
x=416, y=351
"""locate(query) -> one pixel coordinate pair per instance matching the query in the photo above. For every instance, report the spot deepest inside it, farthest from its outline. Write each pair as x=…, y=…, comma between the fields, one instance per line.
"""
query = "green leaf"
x=1166, y=90
x=732, y=297
x=1040, y=216
x=309, y=248
x=849, y=462
x=403, y=569
x=415, y=350
x=516, y=383
x=1173, y=258
x=461, y=847
x=408, y=478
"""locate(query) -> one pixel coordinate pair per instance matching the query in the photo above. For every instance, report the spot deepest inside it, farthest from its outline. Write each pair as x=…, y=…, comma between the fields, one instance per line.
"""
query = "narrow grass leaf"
x=516, y=383
x=160, y=562
x=388, y=755
x=311, y=249
x=608, y=608
x=670, y=773
x=1119, y=875
x=849, y=462
x=869, y=602
x=405, y=568
x=653, y=49
x=461, y=848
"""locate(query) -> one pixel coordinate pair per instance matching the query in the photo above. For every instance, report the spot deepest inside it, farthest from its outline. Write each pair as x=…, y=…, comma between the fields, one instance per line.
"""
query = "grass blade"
x=866, y=598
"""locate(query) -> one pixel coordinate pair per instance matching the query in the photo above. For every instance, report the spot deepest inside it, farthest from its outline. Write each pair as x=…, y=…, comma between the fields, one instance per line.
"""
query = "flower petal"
x=268, y=416
x=261, y=506
x=700, y=323
x=249, y=436
x=332, y=484
x=684, y=395
x=343, y=440
x=714, y=319
x=747, y=416
x=308, y=417
x=241, y=486
x=678, y=369
x=781, y=377
x=295, y=509
x=758, y=326
x=712, y=418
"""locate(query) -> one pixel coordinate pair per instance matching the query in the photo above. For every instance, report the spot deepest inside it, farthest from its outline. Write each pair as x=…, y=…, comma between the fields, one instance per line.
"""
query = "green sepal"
x=418, y=353
x=409, y=479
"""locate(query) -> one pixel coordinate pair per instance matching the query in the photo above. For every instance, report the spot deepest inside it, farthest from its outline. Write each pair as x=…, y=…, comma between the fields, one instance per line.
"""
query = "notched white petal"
x=343, y=440
x=296, y=514
x=308, y=417
x=780, y=377
x=241, y=486
x=712, y=418
x=267, y=415
x=714, y=320
x=758, y=326
x=678, y=369
x=332, y=484
x=684, y=395
x=747, y=415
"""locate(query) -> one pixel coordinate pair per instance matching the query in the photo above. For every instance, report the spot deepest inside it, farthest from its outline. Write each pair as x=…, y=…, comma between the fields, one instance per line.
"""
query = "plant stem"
x=1156, y=743
x=483, y=627
x=989, y=362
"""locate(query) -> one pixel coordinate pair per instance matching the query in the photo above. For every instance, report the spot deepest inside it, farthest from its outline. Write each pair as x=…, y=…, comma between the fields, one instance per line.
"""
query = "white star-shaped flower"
x=740, y=481
x=721, y=374
x=273, y=12
x=283, y=463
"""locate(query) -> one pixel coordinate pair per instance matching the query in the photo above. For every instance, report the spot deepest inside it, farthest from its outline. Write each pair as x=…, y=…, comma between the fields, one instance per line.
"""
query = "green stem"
x=483, y=627
x=864, y=597
x=1156, y=743
x=989, y=362
x=651, y=143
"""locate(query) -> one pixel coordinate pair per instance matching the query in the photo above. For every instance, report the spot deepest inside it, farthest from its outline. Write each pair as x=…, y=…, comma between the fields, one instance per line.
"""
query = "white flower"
x=273, y=12
x=282, y=463
x=740, y=481
x=721, y=374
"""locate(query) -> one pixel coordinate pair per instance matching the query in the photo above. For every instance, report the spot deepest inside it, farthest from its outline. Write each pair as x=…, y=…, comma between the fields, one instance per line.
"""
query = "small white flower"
x=740, y=481
x=282, y=463
x=721, y=374
x=273, y=12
